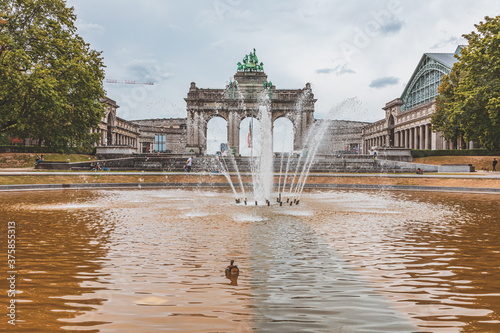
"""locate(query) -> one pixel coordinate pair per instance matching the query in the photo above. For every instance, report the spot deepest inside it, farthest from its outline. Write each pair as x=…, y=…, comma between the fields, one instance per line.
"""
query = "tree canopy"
x=50, y=79
x=469, y=97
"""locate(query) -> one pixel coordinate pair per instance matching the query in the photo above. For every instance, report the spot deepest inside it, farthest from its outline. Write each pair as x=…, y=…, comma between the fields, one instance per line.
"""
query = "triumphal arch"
x=241, y=98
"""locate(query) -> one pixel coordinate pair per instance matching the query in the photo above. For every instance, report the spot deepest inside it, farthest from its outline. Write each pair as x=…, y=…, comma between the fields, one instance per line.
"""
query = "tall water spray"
x=262, y=174
x=296, y=168
x=313, y=142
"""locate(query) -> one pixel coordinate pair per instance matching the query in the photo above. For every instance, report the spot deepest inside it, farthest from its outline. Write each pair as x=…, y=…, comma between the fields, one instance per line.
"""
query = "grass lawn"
x=479, y=162
x=27, y=160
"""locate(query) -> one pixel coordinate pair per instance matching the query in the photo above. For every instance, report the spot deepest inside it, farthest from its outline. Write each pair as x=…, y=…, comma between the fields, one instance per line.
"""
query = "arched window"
x=423, y=87
x=391, y=131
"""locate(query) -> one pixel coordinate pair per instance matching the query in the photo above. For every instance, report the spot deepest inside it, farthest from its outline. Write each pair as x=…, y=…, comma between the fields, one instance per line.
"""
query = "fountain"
x=262, y=164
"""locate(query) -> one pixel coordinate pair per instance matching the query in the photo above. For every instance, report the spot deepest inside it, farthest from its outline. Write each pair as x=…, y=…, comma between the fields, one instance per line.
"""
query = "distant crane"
x=127, y=82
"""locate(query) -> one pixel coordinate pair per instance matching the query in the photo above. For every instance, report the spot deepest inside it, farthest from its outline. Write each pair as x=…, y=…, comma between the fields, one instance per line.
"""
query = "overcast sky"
x=360, y=48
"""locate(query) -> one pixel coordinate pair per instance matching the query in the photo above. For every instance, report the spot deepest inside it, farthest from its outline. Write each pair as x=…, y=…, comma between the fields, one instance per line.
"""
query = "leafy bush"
x=452, y=152
x=44, y=150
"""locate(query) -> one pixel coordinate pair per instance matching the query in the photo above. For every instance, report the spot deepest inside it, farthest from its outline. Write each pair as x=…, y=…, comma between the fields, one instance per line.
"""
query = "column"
x=427, y=136
x=422, y=137
x=434, y=141
x=196, y=129
x=412, y=138
x=415, y=138
x=303, y=126
x=233, y=132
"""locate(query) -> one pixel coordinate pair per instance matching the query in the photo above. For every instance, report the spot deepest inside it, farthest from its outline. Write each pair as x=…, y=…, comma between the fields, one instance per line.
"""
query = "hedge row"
x=452, y=152
x=42, y=150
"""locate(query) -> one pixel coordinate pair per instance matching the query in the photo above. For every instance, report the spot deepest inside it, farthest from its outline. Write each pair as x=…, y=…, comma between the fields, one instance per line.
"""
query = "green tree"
x=50, y=79
x=469, y=97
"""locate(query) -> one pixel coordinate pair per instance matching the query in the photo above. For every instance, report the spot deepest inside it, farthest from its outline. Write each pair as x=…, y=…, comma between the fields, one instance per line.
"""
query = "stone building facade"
x=167, y=135
x=342, y=137
x=241, y=98
x=407, y=121
x=116, y=131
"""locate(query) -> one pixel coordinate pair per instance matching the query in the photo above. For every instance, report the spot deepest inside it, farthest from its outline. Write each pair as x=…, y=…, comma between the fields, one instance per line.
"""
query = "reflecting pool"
x=341, y=261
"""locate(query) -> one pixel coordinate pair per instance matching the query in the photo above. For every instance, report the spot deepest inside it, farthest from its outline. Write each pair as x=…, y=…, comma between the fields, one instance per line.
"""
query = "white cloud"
x=338, y=46
x=384, y=82
x=147, y=70
x=451, y=42
x=89, y=28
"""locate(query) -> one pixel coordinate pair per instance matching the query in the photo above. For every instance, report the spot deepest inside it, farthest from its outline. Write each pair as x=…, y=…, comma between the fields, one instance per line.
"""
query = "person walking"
x=38, y=159
x=188, y=163
x=494, y=164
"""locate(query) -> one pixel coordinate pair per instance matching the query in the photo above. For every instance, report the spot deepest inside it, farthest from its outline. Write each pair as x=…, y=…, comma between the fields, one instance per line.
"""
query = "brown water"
x=153, y=260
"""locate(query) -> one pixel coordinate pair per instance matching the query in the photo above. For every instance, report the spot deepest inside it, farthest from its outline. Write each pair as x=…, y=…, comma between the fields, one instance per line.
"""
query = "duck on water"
x=232, y=270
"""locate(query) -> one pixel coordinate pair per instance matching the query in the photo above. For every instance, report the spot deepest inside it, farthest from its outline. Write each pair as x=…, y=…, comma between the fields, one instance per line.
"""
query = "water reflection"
x=435, y=256
x=59, y=257
x=154, y=260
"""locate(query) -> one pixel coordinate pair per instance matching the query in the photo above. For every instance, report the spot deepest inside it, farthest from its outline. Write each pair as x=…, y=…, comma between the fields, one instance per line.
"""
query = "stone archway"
x=390, y=126
x=244, y=147
x=282, y=135
x=237, y=101
x=111, y=121
x=217, y=134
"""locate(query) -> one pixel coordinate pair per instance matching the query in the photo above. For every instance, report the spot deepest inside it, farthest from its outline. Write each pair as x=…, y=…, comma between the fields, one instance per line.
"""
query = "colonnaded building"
x=239, y=99
x=407, y=121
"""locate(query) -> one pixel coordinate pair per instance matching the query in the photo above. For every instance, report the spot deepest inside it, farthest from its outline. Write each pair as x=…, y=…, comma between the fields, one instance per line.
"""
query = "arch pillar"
x=233, y=132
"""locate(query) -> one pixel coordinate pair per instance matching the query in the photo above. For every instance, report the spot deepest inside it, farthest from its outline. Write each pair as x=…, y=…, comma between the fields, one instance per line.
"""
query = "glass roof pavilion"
x=423, y=85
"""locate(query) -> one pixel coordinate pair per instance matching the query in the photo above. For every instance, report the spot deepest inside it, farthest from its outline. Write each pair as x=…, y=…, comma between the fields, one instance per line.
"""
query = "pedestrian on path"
x=494, y=164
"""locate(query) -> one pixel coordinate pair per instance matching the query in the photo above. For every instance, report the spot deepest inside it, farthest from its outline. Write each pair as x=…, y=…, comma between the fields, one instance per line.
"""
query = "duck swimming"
x=232, y=270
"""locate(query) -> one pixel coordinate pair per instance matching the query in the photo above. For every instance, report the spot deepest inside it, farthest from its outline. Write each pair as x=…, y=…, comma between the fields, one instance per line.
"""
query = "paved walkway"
x=32, y=172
